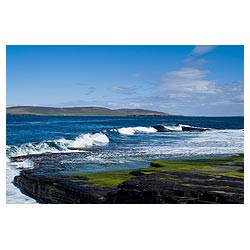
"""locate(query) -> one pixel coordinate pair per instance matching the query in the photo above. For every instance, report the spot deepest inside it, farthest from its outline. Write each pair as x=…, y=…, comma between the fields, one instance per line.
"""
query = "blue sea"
x=93, y=144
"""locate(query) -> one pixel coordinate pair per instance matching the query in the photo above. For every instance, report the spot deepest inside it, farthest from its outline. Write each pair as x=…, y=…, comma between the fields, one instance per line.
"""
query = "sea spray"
x=133, y=130
x=13, y=194
x=158, y=128
x=59, y=145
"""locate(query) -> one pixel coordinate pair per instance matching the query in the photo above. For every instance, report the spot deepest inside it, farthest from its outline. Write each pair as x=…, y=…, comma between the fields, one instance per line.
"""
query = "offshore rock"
x=189, y=128
x=161, y=128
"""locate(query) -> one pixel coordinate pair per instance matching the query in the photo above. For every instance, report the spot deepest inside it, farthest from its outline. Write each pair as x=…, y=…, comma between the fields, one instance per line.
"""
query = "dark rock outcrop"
x=190, y=128
x=161, y=128
x=179, y=187
x=60, y=189
x=155, y=187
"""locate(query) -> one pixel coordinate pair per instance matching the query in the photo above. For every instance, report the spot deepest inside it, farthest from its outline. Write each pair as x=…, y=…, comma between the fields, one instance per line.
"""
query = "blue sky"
x=188, y=80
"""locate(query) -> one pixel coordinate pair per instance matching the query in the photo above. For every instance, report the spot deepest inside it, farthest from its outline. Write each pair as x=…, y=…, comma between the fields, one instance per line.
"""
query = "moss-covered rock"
x=217, y=180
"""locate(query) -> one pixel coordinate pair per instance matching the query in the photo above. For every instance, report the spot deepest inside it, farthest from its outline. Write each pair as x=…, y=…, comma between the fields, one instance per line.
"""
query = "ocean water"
x=95, y=144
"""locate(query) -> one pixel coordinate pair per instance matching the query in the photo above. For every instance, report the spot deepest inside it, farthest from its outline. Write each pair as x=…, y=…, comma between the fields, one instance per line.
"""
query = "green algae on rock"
x=104, y=179
x=216, y=180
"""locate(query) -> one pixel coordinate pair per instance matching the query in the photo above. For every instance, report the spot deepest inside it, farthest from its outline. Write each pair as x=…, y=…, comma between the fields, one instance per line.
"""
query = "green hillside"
x=80, y=111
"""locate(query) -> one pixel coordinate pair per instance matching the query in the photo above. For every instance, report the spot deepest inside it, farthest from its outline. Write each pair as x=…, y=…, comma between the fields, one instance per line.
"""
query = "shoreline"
x=210, y=181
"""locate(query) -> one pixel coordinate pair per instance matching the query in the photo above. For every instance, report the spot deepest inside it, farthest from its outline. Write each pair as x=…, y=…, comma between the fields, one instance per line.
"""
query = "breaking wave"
x=133, y=130
x=158, y=128
x=13, y=194
x=61, y=145
x=180, y=127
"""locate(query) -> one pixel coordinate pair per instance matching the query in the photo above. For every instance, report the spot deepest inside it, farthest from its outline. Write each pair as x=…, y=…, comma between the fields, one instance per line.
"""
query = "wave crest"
x=180, y=127
x=61, y=145
x=158, y=128
x=133, y=130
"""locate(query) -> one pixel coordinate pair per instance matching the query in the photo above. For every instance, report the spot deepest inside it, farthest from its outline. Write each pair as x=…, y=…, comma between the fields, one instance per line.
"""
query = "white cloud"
x=188, y=73
x=188, y=80
x=193, y=62
x=203, y=49
x=233, y=92
x=220, y=99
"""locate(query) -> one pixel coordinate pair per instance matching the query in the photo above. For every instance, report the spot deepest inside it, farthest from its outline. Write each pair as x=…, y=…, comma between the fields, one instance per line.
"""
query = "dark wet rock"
x=19, y=158
x=164, y=187
x=81, y=149
x=157, y=187
x=137, y=173
x=190, y=128
x=60, y=189
x=161, y=128
x=206, y=181
x=50, y=157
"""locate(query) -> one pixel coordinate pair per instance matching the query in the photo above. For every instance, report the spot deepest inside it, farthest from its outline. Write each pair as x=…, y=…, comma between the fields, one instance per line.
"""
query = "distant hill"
x=80, y=111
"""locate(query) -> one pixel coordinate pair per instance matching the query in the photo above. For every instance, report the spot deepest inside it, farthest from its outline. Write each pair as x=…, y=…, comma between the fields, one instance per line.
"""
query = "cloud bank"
x=202, y=49
x=188, y=80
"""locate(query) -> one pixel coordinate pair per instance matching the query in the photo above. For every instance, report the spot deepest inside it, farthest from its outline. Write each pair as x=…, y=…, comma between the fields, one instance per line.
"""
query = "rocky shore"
x=208, y=181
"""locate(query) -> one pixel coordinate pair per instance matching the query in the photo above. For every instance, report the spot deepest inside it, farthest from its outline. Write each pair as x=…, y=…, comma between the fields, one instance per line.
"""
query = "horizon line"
x=121, y=108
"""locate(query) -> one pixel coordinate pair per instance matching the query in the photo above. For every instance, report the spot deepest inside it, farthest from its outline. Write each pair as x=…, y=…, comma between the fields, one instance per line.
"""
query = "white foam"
x=211, y=142
x=174, y=128
x=13, y=194
x=133, y=130
x=179, y=127
x=60, y=145
x=27, y=164
x=228, y=137
x=7, y=159
x=31, y=148
x=88, y=140
x=174, y=144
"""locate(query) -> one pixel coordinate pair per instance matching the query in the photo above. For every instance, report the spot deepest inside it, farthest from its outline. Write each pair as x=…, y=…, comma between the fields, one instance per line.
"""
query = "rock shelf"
x=208, y=181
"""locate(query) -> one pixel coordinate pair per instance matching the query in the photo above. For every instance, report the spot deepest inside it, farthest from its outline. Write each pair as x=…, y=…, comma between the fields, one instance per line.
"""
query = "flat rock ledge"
x=178, y=188
x=154, y=187
x=59, y=189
